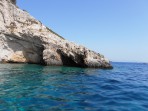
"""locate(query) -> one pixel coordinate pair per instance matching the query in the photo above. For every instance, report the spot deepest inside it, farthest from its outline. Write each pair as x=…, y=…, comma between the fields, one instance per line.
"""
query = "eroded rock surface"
x=23, y=39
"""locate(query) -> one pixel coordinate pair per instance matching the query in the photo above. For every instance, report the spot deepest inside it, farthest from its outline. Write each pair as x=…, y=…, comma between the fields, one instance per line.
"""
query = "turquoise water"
x=39, y=88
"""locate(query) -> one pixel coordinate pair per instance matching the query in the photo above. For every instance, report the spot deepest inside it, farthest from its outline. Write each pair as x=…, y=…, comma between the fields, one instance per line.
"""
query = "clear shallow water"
x=39, y=88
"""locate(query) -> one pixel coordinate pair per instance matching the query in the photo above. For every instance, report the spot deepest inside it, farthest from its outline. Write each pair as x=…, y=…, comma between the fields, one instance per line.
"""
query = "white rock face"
x=23, y=39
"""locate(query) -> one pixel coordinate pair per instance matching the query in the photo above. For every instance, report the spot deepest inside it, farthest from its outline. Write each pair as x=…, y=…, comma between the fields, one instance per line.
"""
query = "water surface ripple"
x=43, y=88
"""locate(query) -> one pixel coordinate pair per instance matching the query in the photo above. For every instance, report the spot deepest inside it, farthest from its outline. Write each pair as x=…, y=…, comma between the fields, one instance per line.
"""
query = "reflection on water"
x=34, y=87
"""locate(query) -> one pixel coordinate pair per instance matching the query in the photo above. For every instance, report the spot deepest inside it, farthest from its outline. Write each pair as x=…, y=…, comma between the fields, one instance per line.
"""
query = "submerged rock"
x=23, y=39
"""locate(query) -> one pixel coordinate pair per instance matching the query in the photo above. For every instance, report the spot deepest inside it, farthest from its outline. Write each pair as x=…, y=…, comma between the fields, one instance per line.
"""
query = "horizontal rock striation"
x=23, y=39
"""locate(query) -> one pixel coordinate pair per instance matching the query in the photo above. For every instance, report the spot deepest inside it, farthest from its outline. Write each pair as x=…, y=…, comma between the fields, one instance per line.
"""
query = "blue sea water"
x=25, y=87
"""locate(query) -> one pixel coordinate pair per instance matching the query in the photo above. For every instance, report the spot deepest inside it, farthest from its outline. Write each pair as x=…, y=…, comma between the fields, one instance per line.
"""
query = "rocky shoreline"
x=23, y=39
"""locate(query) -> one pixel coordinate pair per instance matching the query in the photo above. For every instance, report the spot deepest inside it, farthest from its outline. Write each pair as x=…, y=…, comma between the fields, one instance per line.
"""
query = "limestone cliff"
x=23, y=39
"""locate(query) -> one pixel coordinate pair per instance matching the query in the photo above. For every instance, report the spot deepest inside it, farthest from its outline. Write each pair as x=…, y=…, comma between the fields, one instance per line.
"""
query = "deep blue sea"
x=25, y=87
